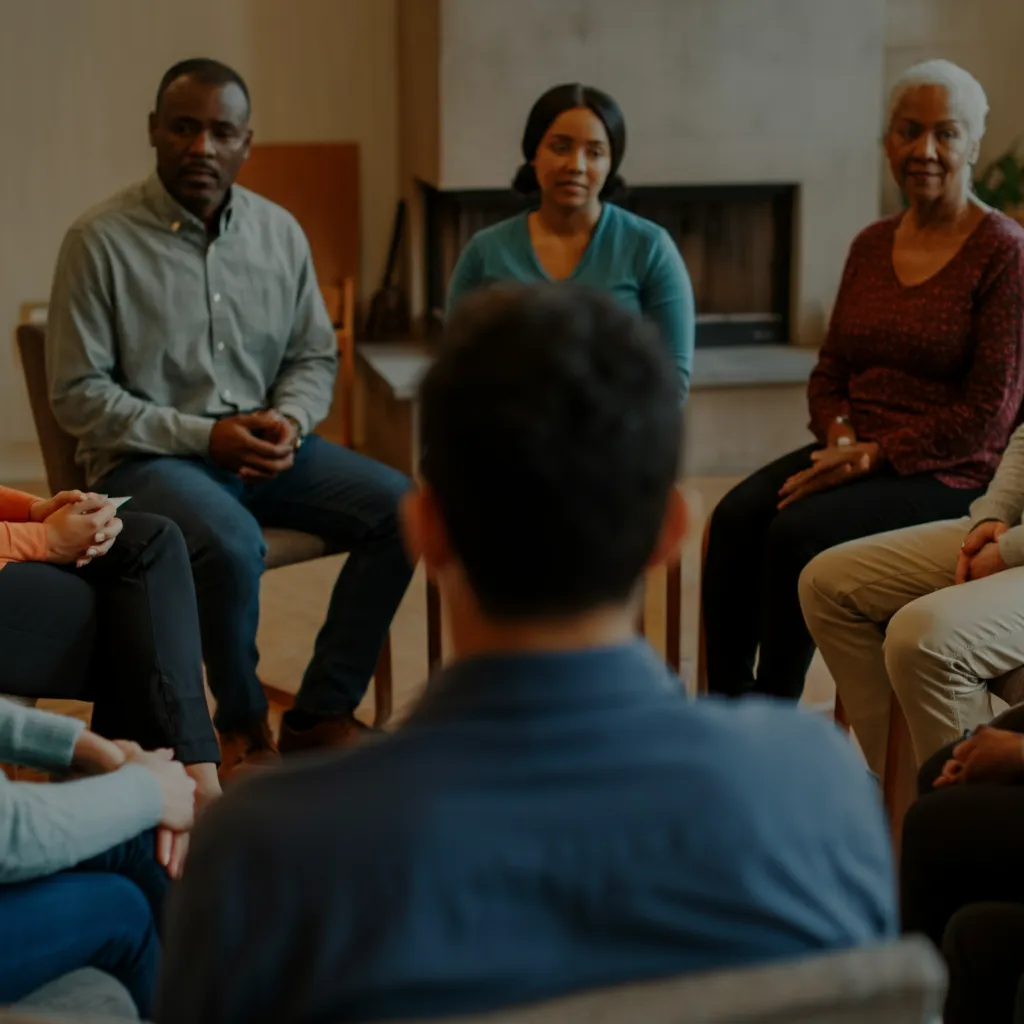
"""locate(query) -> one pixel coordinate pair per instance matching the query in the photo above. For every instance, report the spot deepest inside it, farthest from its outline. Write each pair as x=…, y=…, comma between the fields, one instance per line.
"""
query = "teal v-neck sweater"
x=632, y=258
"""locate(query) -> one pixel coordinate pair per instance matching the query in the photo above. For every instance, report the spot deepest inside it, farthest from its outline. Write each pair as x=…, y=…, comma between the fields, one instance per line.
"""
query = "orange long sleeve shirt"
x=20, y=539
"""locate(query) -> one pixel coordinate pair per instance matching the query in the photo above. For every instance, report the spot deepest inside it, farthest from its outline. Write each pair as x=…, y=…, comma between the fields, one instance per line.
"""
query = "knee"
x=232, y=556
x=820, y=584
x=917, y=634
x=743, y=505
x=156, y=534
x=125, y=905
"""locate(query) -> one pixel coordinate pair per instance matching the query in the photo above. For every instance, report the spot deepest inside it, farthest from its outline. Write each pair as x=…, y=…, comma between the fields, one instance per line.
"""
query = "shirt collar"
x=532, y=683
x=171, y=213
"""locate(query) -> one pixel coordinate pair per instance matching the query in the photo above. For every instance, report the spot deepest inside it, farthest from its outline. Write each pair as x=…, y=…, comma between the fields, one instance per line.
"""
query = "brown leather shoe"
x=245, y=749
x=344, y=731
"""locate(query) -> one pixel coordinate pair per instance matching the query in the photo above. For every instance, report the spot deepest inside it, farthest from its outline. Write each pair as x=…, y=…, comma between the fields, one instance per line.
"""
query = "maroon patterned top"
x=933, y=372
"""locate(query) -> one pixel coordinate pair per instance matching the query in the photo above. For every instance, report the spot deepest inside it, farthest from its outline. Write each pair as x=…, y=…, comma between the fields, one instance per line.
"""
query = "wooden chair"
x=673, y=613
x=341, y=307
x=284, y=547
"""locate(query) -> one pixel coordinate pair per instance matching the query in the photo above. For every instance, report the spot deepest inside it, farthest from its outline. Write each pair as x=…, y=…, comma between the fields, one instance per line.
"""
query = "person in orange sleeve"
x=99, y=607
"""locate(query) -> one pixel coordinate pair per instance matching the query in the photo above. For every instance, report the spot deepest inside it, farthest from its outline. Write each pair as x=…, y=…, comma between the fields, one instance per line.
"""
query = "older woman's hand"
x=830, y=468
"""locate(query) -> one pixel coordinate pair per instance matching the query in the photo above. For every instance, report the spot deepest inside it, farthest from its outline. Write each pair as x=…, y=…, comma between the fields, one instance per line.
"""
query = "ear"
x=423, y=530
x=152, y=127
x=673, y=531
x=974, y=153
x=247, y=148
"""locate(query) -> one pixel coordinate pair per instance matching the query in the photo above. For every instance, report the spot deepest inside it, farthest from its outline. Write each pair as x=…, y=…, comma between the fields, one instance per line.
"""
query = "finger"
x=164, y=753
x=164, y=846
x=264, y=449
x=962, y=568
x=271, y=466
x=102, y=549
x=178, y=855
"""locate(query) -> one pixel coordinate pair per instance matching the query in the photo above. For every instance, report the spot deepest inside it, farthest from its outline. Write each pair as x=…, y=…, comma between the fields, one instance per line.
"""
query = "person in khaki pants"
x=933, y=613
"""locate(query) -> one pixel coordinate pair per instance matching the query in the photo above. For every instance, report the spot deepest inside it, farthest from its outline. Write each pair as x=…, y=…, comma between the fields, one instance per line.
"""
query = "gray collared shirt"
x=154, y=331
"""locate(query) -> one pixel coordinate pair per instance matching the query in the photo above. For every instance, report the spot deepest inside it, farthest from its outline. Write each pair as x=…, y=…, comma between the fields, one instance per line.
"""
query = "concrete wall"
x=713, y=91
x=77, y=79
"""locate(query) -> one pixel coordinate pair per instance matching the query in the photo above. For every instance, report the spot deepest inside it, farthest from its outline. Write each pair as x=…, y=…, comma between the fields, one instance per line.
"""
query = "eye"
x=595, y=153
x=947, y=134
x=560, y=147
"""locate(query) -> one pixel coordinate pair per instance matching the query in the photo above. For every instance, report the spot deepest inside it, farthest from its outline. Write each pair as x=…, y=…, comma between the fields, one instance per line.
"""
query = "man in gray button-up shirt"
x=190, y=352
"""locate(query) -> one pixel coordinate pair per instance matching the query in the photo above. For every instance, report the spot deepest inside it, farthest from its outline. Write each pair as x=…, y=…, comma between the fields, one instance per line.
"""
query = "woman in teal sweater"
x=573, y=145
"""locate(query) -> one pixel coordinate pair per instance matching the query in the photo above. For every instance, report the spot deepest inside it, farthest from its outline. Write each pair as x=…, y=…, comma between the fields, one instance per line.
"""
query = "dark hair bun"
x=525, y=182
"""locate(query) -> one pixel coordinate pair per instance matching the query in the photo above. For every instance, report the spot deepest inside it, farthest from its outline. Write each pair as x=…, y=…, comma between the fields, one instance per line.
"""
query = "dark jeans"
x=123, y=632
x=347, y=499
x=103, y=914
x=750, y=602
x=962, y=884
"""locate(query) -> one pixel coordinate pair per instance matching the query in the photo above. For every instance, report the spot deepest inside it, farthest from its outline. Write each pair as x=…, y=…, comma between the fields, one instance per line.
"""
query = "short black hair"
x=551, y=105
x=551, y=434
x=205, y=70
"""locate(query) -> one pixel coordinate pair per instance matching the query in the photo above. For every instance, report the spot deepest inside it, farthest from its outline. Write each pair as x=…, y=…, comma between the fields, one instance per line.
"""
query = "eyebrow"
x=572, y=138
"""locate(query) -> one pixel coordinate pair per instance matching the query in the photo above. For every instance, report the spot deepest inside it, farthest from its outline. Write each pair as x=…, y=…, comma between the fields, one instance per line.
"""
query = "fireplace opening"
x=736, y=241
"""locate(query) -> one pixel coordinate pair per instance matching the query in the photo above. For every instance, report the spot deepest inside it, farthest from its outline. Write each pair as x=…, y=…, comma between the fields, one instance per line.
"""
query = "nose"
x=202, y=144
x=924, y=146
x=577, y=161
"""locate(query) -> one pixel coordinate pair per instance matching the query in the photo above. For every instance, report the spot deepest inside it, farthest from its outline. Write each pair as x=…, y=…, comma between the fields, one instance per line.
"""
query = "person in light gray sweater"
x=934, y=614
x=80, y=879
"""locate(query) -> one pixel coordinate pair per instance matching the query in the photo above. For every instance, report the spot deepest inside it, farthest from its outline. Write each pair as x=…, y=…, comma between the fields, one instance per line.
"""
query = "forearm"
x=304, y=388
x=108, y=417
x=36, y=739
x=45, y=828
x=1004, y=499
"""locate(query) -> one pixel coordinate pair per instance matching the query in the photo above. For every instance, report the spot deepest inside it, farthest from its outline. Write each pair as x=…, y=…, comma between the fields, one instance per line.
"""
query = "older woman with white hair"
x=915, y=394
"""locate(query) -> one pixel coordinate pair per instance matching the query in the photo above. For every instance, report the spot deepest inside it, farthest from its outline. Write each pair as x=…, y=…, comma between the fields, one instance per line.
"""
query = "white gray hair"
x=965, y=93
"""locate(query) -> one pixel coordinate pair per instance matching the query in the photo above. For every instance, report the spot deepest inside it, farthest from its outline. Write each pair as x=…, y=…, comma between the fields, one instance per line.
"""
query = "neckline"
x=897, y=221
x=539, y=267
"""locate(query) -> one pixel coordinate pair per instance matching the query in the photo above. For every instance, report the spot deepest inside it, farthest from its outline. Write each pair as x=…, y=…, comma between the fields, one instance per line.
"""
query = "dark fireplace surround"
x=736, y=241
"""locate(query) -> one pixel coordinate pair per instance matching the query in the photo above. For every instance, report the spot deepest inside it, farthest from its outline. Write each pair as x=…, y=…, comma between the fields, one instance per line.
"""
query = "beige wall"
x=985, y=37
x=77, y=79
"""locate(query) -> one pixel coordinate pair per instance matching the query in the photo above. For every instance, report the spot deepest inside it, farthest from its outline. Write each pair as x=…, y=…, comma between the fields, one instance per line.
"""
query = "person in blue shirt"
x=555, y=814
x=573, y=144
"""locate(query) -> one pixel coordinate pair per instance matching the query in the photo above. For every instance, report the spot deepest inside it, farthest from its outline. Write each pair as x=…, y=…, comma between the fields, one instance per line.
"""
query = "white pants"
x=887, y=617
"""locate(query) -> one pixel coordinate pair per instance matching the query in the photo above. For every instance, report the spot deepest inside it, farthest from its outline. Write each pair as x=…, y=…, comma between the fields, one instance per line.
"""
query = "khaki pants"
x=887, y=617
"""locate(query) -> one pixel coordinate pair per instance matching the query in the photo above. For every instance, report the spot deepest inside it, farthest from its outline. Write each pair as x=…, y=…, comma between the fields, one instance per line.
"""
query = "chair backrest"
x=62, y=471
x=897, y=983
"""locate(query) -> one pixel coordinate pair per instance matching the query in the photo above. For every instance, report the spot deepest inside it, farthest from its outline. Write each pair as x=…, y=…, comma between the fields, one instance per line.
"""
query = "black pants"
x=962, y=885
x=755, y=556
x=122, y=632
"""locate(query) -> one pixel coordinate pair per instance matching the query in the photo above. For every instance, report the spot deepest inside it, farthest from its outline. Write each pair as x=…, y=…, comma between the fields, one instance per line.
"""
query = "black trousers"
x=750, y=602
x=962, y=885
x=122, y=632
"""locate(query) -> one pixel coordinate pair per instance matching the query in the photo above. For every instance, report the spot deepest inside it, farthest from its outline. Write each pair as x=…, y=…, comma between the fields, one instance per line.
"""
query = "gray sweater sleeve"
x=1004, y=500
x=45, y=828
x=36, y=739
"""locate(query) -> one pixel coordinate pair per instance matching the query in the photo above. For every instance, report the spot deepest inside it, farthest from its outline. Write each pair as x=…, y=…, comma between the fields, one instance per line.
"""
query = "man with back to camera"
x=555, y=814
x=190, y=352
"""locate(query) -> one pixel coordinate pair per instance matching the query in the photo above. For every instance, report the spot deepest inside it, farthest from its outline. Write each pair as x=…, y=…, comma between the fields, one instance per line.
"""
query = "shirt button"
x=216, y=297
x=220, y=346
x=176, y=225
x=226, y=394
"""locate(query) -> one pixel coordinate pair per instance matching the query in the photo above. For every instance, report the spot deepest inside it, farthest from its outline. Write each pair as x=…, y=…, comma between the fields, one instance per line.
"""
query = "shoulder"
x=766, y=748
x=875, y=236
x=109, y=215
x=269, y=219
x=1003, y=240
x=645, y=233
x=498, y=236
